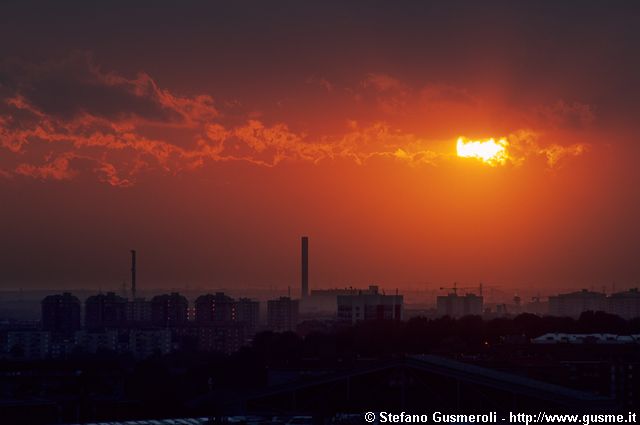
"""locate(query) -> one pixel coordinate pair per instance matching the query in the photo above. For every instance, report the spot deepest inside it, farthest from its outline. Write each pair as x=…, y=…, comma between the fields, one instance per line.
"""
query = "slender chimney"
x=133, y=274
x=305, y=266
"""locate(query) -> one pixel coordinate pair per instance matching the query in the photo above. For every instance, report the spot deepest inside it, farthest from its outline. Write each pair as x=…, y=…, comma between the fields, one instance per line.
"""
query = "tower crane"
x=455, y=288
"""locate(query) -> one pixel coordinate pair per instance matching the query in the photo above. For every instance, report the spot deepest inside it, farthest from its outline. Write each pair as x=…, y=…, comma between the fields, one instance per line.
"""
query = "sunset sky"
x=210, y=136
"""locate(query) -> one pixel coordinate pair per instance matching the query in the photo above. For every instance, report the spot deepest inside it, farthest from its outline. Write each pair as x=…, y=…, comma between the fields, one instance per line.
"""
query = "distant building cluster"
x=219, y=323
x=139, y=327
x=624, y=304
x=143, y=327
x=216, y=322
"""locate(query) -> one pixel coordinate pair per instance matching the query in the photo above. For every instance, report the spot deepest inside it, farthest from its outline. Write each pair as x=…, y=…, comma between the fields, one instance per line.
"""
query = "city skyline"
x=347, y=303
x=284, y=212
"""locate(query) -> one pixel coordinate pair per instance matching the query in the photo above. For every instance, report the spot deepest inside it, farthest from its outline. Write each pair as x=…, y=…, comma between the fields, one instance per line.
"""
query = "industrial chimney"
x=133, y=274
x=305, y=266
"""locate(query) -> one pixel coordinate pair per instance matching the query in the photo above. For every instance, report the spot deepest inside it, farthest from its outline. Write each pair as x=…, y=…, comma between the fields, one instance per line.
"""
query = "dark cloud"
x=423, y=71
x=75, y=86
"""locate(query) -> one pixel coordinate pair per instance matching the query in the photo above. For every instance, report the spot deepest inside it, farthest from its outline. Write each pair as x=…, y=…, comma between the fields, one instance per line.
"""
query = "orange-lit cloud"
x=57, y=168
x=525, y=144
x=62, y=119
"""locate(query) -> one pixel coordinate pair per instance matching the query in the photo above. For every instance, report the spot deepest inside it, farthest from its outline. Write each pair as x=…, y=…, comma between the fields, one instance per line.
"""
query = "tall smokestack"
x=133, y=273
x=305, y=266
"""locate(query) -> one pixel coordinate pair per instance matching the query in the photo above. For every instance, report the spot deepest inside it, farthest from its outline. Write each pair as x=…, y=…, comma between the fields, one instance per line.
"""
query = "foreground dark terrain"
x=323, y=370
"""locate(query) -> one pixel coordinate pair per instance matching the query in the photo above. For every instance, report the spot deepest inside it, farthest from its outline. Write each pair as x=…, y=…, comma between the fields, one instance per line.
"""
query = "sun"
x=489, y=151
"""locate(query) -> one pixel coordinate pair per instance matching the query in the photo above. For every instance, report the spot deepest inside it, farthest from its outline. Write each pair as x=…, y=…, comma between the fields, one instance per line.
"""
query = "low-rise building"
x=594, y=338
x=94, y=341
x=369, y=305
x=325, y=300
x=147, y=342
x=625, y=304
x=224, y=338
x=28, y=344
x=573, y=304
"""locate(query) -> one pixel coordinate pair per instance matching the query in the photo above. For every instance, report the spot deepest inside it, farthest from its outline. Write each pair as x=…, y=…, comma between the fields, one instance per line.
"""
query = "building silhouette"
x=223, y=323
x=248, y=312
x=454, y=305
x=625, y=304
x=325, y=301
x=97, y=340
x=212, y=309
x=368, y=305
x=147, y=342
x=575, y=303
x=225, y=337
x=105, y=311
x=282, y=314
x=138, y=312
x=28, y=344
x=61, y=314
x=169, y=310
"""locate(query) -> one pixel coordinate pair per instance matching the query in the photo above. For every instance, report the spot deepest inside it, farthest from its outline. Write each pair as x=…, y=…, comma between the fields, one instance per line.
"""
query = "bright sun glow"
x=489, y=151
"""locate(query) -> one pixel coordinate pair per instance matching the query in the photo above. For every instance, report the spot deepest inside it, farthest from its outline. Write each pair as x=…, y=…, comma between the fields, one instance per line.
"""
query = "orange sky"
x=211, y=142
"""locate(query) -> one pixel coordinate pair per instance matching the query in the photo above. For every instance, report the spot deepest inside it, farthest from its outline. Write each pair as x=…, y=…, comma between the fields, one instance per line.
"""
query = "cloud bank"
x=60, y=120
